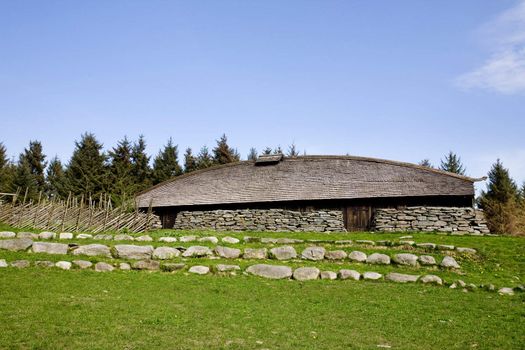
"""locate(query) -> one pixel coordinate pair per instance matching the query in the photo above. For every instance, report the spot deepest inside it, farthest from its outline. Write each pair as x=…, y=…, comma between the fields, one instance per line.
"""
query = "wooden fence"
x=74, y=215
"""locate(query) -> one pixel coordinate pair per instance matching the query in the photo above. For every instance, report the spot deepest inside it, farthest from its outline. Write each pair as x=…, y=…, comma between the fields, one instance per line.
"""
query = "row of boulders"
x=261, y=270
x=137, y=252
x=404, y=241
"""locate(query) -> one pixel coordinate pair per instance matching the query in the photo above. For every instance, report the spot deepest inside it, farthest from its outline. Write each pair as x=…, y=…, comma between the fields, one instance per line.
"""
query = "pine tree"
x=24, y=179
x=267, y=151
x=500, y=200
x=278, y=150
x=204, y=159
x=223, y=153
x=55, y=179
x=140, y=169
x=190, y=161
x=86, y=171
x=121, y=182
x=253, y=154
x=426, y=163
x=452, y=163
x=36, y=160
x=292, y=151
x=166, y=163
x=6, y=171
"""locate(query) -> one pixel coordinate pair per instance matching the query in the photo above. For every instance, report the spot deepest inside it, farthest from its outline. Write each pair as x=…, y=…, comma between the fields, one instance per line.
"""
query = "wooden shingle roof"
x=305, y=178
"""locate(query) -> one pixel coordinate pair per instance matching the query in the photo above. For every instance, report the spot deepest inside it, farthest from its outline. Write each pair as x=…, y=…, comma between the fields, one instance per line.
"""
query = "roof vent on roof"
x=268, y=159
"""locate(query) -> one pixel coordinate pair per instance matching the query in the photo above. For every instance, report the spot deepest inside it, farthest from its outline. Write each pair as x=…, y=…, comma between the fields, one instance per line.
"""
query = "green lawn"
x=53, y=309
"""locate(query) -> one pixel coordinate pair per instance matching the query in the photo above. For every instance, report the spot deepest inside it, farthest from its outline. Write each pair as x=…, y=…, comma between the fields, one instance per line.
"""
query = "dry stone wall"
x=261, y=220
x=441, y=219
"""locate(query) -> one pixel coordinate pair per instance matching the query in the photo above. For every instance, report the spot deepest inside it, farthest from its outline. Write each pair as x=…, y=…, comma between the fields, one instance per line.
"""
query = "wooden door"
x=357, y=218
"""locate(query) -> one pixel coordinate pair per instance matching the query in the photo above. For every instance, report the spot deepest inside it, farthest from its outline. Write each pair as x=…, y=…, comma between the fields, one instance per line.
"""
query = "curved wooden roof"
x=305, y=178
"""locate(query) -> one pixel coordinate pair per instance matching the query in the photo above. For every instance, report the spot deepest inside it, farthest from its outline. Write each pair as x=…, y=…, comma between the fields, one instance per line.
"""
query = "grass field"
x=53, y=309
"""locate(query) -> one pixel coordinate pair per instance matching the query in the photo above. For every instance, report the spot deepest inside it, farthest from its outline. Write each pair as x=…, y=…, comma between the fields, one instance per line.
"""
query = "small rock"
x=449, y=262
x=453, y=286
x=288, y=240
x=249, y=239
x=490, y=287
x=255, y=253
x=122, y=237
x=466, y=250
x=406, y=237
x=371, y=275
x=44, y=263
x=328, y=275
x=306, y=273
x=384, y=243
x=84, y=236
x=377, y=258
x=313, y=253
x=21, y=264
x=461, y=283
x=187, y=238
x=431, y=279
x=168, y=239
x=50, y=248
x=226, y=268
x=144, y=238
x=349, y=274
x=336, y=255
x=170, y=267
x=506, y=291
x=3, y=263
x=344, y=241
x=283, y=253
x=445, y=247
x=366, y=242
x=150, y=265
x=231, y=240
x=357, y=256
x=103, y=237
x=426, y=245
x=227, y=253
x=401, y=277
x=164, y=253
x=129, y=251
x=64, y=265
x=65, y=235
x=16, y=244
x=427, y=260
x=270, y=271
x=29, y=235
x=197, y=252
x=410, y=243
x=103, y=267
x=7, y=234
x=268, y=240
x=83, y=264
x=211, y=239
x=47, y=235
x=405, y=259
x=199, y=270
x=124, y=266
x=93, y=250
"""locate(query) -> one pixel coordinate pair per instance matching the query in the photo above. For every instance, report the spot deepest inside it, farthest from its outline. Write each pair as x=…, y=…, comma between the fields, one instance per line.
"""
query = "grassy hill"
x=47, y=308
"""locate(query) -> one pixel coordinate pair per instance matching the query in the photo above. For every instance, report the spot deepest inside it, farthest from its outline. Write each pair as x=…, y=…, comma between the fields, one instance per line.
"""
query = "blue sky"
x=402, y=80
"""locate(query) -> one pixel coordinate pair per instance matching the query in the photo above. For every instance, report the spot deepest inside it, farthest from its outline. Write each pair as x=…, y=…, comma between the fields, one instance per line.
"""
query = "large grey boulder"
x=187, y=238
x=345, y=274
x=137, y=252
x=506, y=291
x=49, y=248
x=313, y=253
x=283, y=253
x=150, y=265
x=29, y=235
x=199, y=270
x=372, y=275
x=427, y=260
x=84, y=236
x=123, y=237
x=124, y=266
x=255, y=253
x=164, y=253
x=231, y=240
x=228, y=253
x=144, y=238
x=335, y=255
x=431, y=279
x=211, y=239
x=466, y=250
x=93, y=250
x=65, y=235
x=378, y=258
x=401, y=277
x=16, y=244
x=20, y=264
x=405, y=259
x=449, y=262
x=103, y=267
x=83, y=264
x=227, y=268
x=197, y=252
x=64, y=265
x=306, y=273
x=357, y=256
x=328, y=275
x=168, y=239
x=270, y=271
x=7, y=234
x=47, y=235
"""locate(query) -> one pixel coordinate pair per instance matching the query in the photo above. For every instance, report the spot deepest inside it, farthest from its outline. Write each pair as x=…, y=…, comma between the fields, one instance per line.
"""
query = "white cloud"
x=504, y=71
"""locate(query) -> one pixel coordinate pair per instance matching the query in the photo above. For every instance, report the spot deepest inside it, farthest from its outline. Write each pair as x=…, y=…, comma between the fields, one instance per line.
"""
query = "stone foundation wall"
x=261, y=220
x=442, y=219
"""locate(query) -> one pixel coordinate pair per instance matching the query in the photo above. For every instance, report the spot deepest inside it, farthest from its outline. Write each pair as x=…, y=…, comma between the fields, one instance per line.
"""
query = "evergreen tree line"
x=122, y=171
